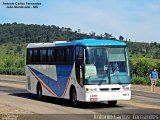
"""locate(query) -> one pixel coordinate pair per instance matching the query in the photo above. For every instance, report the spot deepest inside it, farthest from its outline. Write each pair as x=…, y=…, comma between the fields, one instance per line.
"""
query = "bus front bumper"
x=107, y=96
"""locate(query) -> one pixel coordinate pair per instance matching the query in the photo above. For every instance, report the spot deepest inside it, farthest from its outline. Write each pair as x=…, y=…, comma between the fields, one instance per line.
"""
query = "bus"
x=86, y=70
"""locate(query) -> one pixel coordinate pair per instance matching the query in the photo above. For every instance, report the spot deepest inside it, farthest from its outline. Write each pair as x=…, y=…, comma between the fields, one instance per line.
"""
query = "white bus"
x=85, y=70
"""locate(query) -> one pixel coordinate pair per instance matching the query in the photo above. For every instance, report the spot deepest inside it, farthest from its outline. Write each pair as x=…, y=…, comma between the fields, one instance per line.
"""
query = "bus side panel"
x=33, y=78
x=55, y=80
x=31, y=82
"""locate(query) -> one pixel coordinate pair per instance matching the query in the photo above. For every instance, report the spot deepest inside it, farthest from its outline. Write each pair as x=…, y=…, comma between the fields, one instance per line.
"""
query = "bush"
x=158, y=82
x=12, y=71
x=140, y=80
x=142, y=66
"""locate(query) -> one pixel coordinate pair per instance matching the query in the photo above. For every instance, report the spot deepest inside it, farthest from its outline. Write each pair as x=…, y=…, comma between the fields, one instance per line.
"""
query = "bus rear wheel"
x=112, y=103
x=73, y=98
x=39, y=91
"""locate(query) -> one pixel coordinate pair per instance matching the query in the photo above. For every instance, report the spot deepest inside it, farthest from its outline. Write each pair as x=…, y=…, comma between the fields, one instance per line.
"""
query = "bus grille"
x=107, y=89
x=104, y=89
x=115, y=88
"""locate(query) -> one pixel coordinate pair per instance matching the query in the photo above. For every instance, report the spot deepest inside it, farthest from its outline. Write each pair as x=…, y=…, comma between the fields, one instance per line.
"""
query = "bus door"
x=79, y=65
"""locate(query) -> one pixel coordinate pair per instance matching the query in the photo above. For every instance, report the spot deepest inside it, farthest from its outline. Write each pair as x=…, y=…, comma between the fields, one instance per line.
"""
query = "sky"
x=137, y=20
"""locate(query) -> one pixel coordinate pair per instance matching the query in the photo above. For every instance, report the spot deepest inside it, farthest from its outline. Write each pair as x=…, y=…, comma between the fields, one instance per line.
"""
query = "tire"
x=39, y=92
x=112, y=103
x=73, y=98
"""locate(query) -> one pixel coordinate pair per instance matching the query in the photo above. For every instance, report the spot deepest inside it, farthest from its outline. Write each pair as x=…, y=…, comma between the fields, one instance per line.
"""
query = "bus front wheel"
x=39, y=91
x=112, y=103
x=73, y=98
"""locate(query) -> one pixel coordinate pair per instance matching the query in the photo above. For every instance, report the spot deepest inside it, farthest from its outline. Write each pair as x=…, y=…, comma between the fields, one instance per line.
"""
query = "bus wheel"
x=73, y=98
x=112, y=103
x=39, y=91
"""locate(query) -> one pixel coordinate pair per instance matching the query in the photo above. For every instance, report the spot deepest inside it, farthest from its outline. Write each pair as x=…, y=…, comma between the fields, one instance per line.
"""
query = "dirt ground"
x=11, y=108
x=12, y=77
x=146, y=88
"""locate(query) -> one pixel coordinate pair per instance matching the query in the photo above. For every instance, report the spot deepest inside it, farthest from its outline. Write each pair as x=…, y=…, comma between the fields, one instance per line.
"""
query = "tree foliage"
x=14, y=38
x=22, y=33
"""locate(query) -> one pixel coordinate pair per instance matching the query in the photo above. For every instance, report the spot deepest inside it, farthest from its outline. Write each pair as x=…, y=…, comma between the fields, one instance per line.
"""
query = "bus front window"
x=106, y=66
x=96, y=66
x=118, y=65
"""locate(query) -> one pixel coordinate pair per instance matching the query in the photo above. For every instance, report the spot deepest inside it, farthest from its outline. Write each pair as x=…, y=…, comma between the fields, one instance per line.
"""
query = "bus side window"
x=60, y=56
x=36, y=56
x=69, y=55
x=43, y=53
x=30, y=56
x=51, y=56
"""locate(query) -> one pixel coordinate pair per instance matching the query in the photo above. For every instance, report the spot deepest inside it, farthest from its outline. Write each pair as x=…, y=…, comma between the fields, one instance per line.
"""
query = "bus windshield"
x=106, y=66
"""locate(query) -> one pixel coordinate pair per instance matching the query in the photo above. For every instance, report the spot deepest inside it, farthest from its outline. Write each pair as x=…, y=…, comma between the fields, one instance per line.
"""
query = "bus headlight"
x=91, y=89
x=126, y=88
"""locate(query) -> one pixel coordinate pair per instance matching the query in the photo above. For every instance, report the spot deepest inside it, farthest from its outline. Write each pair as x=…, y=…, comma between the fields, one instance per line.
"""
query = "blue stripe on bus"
x=57, y=86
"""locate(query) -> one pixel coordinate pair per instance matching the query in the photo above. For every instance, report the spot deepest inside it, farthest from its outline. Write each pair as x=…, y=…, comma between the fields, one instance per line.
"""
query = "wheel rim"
x=74, y=98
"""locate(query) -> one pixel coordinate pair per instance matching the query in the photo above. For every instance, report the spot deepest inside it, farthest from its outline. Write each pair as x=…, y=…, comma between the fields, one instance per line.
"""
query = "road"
x=16, y=102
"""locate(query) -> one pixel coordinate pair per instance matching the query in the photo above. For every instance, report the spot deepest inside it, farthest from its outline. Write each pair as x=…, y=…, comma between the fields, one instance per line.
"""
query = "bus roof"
x=93, y=42
x=83, y=42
